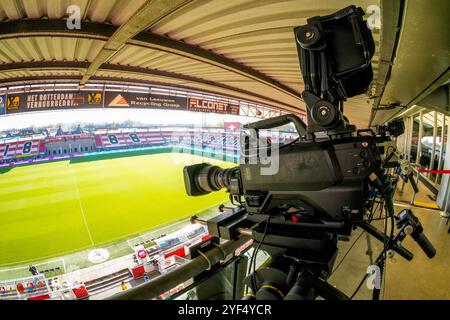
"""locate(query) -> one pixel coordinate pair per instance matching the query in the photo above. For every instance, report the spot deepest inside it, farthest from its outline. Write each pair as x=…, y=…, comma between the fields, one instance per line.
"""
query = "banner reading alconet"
x=203, y=105
x=44, y=101
x=144, y=101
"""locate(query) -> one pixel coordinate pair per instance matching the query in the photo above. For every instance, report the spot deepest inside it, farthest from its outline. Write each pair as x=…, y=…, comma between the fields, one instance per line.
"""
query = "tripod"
x=295, y=275
x=301, y=273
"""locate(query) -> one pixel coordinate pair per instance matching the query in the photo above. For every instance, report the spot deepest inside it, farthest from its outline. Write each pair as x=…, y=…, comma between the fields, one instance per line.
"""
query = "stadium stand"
x=15, y=148
x=107, y=282
x=63, y=145
x=208, y=138
x=24, y=288
x=109, y=139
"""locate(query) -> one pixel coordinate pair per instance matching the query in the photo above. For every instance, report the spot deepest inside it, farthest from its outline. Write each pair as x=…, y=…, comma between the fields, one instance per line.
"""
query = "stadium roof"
x=241, y=48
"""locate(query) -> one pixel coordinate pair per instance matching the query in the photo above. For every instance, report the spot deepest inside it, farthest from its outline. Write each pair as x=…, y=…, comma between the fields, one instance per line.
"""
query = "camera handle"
x=380, y=236
x=280, y=121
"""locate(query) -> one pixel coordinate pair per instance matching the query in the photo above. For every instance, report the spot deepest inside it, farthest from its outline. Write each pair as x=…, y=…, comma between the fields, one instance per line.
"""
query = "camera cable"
x=348, y=251
x=255, y=254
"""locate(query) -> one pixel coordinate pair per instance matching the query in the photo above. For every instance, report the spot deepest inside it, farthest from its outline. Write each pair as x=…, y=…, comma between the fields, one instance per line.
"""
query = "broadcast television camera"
x=323, y=187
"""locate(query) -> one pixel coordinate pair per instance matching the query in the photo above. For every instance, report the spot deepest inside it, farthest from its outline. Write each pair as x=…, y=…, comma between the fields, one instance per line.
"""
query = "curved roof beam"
x=151, y=12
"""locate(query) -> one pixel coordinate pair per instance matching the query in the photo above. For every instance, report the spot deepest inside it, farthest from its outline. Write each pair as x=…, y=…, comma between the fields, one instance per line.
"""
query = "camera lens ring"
x=213, y=178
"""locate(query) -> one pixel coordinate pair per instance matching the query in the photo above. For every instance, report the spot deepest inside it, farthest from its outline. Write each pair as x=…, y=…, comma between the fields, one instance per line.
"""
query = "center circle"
x=98, y=255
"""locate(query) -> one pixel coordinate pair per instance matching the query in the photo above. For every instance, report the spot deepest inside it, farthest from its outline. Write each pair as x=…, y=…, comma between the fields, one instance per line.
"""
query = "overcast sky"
x=38, y=119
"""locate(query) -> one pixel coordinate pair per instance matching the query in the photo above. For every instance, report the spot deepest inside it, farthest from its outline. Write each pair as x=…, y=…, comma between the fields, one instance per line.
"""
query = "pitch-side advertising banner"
x=204, y=105
x=63, y=100
x=144, y=101
x=45, y=101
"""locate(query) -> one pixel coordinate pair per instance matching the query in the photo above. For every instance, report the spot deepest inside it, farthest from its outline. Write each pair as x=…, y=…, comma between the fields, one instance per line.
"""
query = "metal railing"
x=193, y=268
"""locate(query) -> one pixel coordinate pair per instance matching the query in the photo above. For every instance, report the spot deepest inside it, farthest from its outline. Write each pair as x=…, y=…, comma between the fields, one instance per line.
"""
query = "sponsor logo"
x=13, y=103
x=119, y=101
x=142, y=254
x=95, y=98
x=212, y=106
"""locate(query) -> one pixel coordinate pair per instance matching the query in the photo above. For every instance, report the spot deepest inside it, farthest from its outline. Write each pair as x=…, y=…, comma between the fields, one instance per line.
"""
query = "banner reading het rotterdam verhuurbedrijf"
x=45, y=101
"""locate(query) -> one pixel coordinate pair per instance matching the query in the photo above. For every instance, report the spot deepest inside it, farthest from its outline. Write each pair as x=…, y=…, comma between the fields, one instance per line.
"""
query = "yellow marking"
x=266, y=286
x=430, y=205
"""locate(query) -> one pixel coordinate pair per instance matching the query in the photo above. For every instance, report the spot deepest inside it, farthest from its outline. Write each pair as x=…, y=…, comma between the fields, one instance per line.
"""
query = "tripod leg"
x=327, y=291
x=369, y=251
x=301, y=290
x=309, y=287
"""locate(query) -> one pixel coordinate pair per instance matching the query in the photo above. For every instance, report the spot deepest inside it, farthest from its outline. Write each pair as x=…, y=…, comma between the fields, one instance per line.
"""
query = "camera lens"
x=212, y=178
x=203, y=178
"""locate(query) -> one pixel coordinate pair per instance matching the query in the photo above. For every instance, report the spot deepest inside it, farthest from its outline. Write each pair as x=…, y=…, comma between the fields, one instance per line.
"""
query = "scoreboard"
x=16, y=148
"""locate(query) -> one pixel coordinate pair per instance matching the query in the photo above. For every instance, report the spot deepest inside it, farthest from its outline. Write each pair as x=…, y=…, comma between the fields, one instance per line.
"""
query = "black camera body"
x=326, y=181
x=336, y=171
x=322, y=188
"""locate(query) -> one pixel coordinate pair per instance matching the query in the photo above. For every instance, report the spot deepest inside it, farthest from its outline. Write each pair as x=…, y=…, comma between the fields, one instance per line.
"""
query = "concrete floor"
x=421, y=278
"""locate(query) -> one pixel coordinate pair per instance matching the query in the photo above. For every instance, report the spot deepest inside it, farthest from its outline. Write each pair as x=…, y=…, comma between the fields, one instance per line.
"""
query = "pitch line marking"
x=82, y=211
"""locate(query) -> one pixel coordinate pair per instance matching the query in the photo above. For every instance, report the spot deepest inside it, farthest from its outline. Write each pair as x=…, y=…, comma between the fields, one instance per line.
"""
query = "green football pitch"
x=56, y=208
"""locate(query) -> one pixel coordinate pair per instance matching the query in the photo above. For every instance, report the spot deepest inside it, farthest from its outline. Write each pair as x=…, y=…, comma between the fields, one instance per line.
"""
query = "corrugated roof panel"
x=4, y=57
x=131, y=76
x=33, y=48
x=40, y=73
x=100, y=11
x=15, y=49
x=259, y=37
x=129, y=54
x=115, y=11
x=147, y=61
x=123, y=10
x=188, y=67
x=12, y=9
x=34, y=9
x=48, y=49
x=205, y=20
